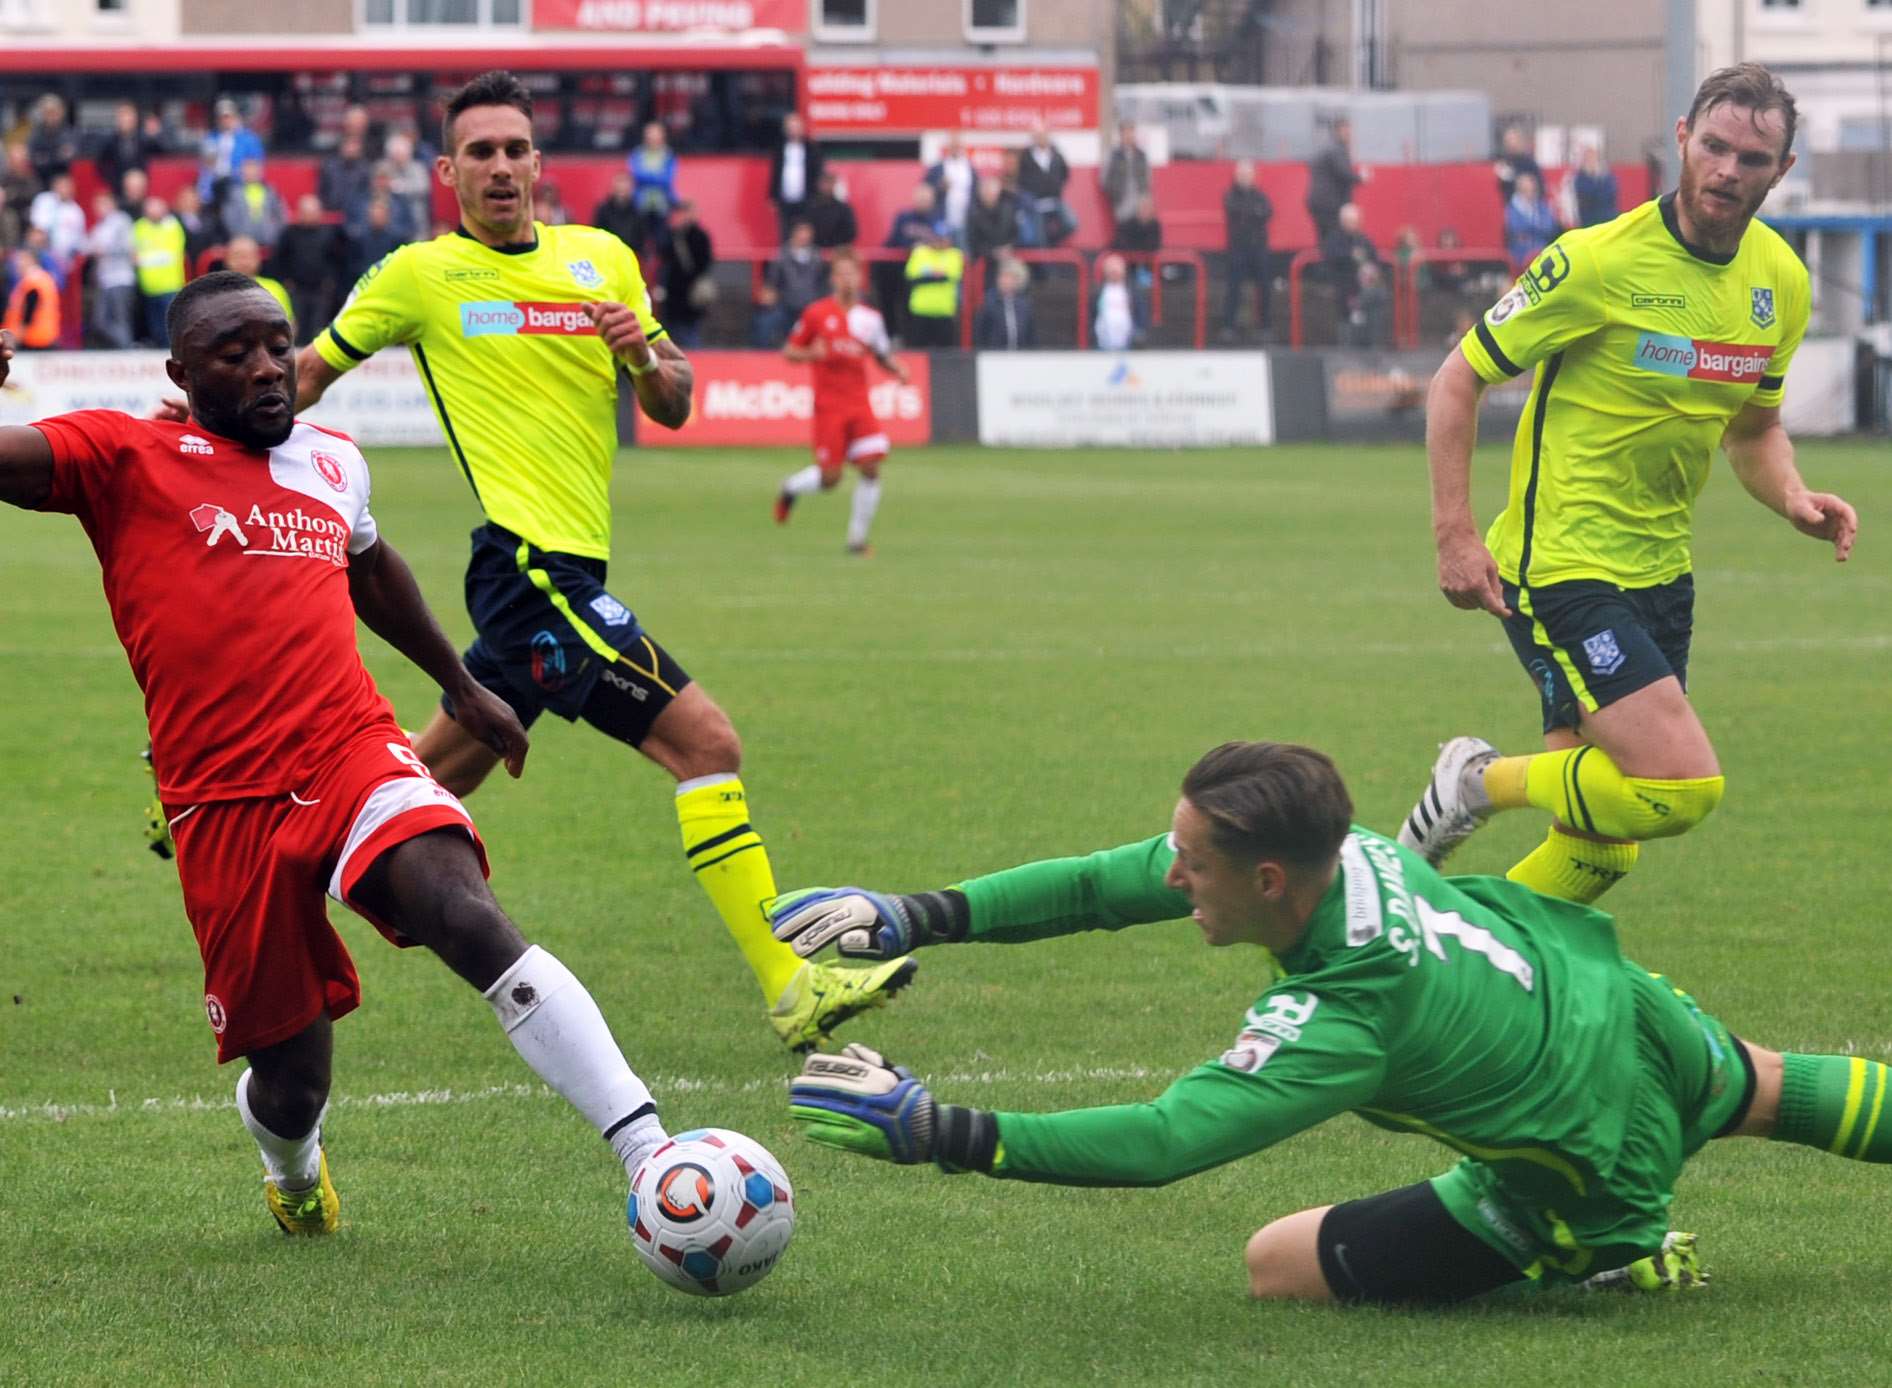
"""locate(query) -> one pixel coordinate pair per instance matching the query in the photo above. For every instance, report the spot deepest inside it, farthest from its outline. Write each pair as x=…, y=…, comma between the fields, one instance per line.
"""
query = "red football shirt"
x=226, y=570
x=853, y=336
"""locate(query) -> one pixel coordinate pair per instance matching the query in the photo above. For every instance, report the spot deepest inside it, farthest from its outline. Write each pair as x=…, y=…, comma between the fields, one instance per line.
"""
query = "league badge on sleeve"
x=1762, y=311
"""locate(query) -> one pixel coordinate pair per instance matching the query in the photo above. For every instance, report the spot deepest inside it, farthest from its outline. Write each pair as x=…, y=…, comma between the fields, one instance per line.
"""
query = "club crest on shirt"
x=1762, y=311
x=585, y=273
x=329, y=468
x=1604, y=655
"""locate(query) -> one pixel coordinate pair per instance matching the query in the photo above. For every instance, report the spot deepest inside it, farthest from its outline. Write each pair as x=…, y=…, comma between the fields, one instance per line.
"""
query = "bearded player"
x=1654, y=337
x=522, y=333
x=838, y=336
x=237, y=550
x=1502, y=1023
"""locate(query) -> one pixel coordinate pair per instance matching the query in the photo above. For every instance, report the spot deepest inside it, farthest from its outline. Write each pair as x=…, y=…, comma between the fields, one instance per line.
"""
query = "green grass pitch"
x=1043, y=644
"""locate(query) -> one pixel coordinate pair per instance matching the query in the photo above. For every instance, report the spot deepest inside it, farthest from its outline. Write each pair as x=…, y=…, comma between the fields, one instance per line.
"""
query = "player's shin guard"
x=293, y=1163
x=557, y=1030
x=1836, y=1103
x=861, y=518
x=1573, y=868
x=1586, y=790
x=731, y=864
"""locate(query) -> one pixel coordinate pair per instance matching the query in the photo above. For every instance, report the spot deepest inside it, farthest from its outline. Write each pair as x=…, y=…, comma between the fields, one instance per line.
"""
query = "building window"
x=995, y=21
x=844, y=21
x=472, y=14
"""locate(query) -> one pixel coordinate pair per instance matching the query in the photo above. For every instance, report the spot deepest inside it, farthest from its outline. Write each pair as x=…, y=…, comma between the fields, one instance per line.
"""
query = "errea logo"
x=191, y=443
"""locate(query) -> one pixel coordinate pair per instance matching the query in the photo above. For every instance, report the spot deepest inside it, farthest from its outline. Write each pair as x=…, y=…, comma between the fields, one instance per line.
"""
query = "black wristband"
x=941, y=918
x=964, y=1139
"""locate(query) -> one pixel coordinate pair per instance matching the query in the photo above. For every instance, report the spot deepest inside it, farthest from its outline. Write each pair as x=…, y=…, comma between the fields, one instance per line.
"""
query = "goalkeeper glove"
x=860, y=1102
x=867, y=925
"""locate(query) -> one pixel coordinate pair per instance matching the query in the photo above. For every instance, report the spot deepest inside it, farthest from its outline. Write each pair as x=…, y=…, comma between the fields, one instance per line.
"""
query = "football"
x=711, y=1211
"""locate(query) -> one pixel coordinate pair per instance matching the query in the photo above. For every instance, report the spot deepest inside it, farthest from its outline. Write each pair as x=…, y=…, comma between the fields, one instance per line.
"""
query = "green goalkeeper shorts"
x=1697, y=1082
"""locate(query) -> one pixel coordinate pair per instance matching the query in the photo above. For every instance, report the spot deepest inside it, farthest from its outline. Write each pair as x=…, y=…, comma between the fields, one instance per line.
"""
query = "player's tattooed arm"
x=665, y=392
x=389, y=603
x=26, y=458
x=891, y=365
x=660, y=372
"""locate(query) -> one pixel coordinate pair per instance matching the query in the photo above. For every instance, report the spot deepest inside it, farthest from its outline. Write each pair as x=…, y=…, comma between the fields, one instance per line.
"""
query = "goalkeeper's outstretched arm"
x=1106, y=890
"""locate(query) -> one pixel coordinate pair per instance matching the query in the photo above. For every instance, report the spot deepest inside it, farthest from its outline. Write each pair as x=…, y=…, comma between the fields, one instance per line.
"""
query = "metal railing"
x=1405, y=287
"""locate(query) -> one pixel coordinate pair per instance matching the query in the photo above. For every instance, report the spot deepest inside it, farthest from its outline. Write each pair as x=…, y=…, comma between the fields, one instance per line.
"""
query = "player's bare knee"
x=1267, y=1279
x=830, y=480
x=1283, y=1260
x=714, y=747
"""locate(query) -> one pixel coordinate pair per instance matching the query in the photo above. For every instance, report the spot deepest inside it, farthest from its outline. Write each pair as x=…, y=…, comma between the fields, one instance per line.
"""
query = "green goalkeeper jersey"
x=1502, y=1023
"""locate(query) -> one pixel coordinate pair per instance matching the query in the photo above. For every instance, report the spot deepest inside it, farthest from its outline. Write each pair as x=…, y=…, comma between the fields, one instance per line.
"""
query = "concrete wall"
x=1599, y=64
x=239, y=18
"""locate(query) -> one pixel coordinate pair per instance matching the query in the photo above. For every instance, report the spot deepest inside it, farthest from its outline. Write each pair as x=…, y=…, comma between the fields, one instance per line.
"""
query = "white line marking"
x=425, y=1098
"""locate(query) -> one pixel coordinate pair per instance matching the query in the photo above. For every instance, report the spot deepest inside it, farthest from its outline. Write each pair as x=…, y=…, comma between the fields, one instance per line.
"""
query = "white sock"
x=803, y=482
x=866, y=502
x=557, y=1030
x=293, y=1163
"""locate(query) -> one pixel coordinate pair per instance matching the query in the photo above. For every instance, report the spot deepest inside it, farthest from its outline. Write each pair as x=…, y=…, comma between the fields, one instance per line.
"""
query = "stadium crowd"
x=131, y=250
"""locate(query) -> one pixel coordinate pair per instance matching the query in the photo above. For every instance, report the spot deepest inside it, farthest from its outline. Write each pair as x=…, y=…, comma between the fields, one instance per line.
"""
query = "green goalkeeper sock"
x=1836, y=1103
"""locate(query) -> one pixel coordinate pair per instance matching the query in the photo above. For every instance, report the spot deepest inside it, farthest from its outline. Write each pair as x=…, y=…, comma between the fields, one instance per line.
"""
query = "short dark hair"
x=211, y=286
x=1751, y=87
x=1271, y=800
x=495, y=88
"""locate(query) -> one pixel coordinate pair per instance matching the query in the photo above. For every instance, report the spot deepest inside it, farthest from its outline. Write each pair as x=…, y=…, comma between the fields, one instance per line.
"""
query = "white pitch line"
x=114, y=1107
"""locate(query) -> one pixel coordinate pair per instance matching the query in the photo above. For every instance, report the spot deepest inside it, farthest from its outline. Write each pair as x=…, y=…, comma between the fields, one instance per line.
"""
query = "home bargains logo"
x=500, y=318
x=1742, y=363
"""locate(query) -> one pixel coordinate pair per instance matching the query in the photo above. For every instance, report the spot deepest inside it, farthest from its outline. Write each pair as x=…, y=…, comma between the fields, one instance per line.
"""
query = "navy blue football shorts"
x=552, y=637
x=1587, y=643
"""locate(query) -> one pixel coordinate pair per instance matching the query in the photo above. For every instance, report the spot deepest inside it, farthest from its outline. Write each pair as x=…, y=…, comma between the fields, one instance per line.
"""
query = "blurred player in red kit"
x=838, y=335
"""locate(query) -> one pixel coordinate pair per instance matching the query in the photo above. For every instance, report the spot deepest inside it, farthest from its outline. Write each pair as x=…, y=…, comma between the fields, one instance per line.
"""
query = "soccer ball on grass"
x=711, y=1211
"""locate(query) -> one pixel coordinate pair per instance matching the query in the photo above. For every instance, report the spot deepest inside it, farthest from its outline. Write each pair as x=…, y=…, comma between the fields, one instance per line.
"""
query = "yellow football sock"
x=1586, y=790
x=1573, y=868
x=732, y=865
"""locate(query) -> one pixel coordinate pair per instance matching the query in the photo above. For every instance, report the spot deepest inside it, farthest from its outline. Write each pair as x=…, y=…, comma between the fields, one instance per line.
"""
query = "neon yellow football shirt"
x=525, y=390
x=1645, y=348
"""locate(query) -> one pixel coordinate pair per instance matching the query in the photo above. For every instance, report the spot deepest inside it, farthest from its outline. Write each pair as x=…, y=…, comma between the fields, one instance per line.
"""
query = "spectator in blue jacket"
x=228, y=148
x=1596, y=189
x=653, y=167
x=1529, y=224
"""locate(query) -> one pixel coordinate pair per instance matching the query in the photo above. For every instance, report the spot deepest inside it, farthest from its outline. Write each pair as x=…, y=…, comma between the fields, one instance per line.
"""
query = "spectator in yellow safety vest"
x=157, y=239
x=934, y=269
